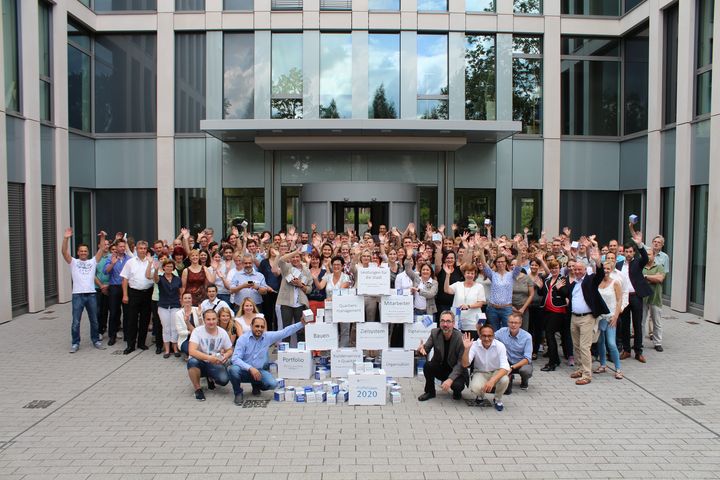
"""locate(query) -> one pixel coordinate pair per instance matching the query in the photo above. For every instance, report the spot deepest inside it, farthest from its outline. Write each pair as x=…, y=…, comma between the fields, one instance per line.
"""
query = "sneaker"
x=238, y=399
x=211, y=384
x=256, y=391
x=498, y=405
x=75, y=347
x=571, y=361
x=523, y=386
x=658, y=348
x=99, y=345
x=456, y=395
x=199, y=395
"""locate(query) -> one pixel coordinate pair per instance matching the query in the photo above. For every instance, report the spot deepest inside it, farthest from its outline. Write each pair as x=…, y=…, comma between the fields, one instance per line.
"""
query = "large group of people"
x=499, y=302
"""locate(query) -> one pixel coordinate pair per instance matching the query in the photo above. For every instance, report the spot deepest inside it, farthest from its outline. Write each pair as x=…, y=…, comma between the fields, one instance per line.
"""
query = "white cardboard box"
x=372, y=336
x=342, y=360
x=321, y=336
x=373, y=281
x=367, y=389
x=293, y=363
x=415, y=333
x=348, y=309
x=398, y=362
x=396, y=309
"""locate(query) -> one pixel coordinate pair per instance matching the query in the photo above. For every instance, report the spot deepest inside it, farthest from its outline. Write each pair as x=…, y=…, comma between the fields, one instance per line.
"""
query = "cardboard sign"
x=321, y=336
x=398, y=362
x=348, y=309
x=396, y=309
x=373, y=281
x=295, y=363
x=342, y=360
x=415, y=333
x=372, y=336
x=367, y=389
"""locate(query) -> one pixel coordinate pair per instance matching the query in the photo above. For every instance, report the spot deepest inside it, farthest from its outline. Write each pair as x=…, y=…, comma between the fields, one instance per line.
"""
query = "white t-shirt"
x=210, y=344
x=468, y=296
x=83, y=275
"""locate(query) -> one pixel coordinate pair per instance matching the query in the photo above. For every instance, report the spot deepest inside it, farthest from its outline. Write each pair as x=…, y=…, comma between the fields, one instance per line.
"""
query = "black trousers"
x=268, y=309
x=537, y=326
x=103, y=309
x=157, y=325
x=118, y=310
x=291, y=315
x=441, y=371
x=554, y=323
x=633, y=312
x=139, y=308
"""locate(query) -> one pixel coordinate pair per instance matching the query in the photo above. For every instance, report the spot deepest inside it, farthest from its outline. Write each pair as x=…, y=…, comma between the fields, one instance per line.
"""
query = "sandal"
x=619, y=375
x=600, y=369
x=577, y=374
x=583, y=381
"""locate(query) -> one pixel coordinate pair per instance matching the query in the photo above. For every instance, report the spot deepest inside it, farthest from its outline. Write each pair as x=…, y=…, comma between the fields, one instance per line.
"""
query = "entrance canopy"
x=375, y=134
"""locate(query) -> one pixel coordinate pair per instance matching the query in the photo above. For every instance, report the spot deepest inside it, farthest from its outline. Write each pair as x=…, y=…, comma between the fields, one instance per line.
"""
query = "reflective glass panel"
x=480, y=77
x=432, y=74
x=384, y=75
x=239, y=4
x=590, y=96
x=238, y=81
x=703, y=93
x=590, y=46
x=10, y=55
x=189, y=5
x=527, y=94
x=671, y=64
x=244, y=204
x=699, y=244
x=124, y=5
x=287, y=75
x=335, y=75
x=390, y=5
x=78, y=89
x=432, y=5
x=473, y=206
x=44, y=19
x=636, y=82
x=190, y=209
x=479, y=5
x=189, y=81
x=590, y=7
x=705, y=12
x=528, y=6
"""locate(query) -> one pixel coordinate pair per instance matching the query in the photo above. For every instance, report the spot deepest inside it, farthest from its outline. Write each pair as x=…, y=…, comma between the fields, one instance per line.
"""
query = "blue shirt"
x=115, y=278
x=518, y=347
x=241, y=277
x=579, y=305
x=501, y=286
x=251, y=352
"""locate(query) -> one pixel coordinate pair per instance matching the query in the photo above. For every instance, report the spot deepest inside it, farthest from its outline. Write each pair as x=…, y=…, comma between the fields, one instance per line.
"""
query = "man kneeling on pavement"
x=490, y=365
x=518, y=344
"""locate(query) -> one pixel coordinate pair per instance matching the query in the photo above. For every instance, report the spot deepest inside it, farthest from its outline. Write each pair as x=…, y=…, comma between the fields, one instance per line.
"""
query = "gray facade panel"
x=126, y=163
x=417, y=167
x=47, y=155
x=475, y=166
x=15, y=149
x=700, y=173
x=82, y=161
x=633, y=164
x=587, y=165
x=190, y=163
x=243, y=165
x=667, y=162
x=527, y=164
x=306, y=167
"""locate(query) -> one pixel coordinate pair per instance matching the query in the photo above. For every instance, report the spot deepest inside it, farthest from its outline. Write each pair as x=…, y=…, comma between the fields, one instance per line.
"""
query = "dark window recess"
x=132, y=211
x=18, y=270
x=49, y=232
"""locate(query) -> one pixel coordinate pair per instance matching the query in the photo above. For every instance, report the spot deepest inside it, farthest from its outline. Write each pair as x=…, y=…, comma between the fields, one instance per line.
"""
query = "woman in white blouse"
x=468, y=299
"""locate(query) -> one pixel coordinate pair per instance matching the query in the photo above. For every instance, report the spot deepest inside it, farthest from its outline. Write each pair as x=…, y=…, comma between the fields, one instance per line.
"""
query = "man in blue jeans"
x=83, y=293
x=250, y=358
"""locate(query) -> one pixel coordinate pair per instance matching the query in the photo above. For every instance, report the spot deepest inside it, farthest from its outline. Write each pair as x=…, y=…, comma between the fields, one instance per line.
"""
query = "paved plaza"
x=135, y=417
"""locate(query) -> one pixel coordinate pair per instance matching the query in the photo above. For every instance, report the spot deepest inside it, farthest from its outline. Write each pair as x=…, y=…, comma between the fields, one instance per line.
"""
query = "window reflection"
x=388, y=5
x=383, y=75
x=636, y=82
x=189, y=81
x=596, y=7
x=432, y=76
x=480, y=77
x=528, y=6
x=479, y=5
x=335, y=75
x=287, y=75
x=527, y=83
x=238, y=75
x=432, y=5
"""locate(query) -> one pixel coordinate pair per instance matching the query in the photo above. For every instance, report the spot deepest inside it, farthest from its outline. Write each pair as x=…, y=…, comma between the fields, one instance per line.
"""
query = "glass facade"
x=670, y=65
x=335, y=75
x=79, y=53
x=287, y=75
x=239, y=4
x=432, y=76
x=432, y=5
x=45, y=54
x=244, y=204
x=290, y=199
x=574, y=208
x=592, y=7
x=635, y=92
x=383, y=75
x=473, y=206
x=10, y=55
x=527, y=83
x=527, y=212
x=238, y=79
x=427, y=205
x=698, y=247
x=667, y=225
x=125, y=83
x=384, y=5
x=590, y=86
x=704, y=48
x=190, y=208
x=479, y=5
x=189, y=81
x=124, y=5
x=532, y=7
x=189, y=5
x=480, y=101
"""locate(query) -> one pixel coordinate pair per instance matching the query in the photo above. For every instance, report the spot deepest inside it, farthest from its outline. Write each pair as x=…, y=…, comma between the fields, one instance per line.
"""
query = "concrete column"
x=683, y=155
x=450, y=189
x=165, y=146
x=503, y=179
x=441, y=187
x=408, y=75
x=655, y=120
x=5, y=290
x=273, y=190
x=213, y=146
x=551, y=122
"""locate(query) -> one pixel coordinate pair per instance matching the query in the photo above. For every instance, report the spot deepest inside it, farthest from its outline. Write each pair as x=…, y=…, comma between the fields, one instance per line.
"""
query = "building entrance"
x=355, y=216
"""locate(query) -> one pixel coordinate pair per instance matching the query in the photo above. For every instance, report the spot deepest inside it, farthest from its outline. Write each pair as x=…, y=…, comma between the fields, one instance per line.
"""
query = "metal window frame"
x=45, y=78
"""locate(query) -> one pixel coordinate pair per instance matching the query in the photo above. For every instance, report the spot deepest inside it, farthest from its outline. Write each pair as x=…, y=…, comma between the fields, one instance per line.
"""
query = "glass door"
x=355, y=216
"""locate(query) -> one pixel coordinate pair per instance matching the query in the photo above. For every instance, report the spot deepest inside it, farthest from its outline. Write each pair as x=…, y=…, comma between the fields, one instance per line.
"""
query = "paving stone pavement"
x=135, y=417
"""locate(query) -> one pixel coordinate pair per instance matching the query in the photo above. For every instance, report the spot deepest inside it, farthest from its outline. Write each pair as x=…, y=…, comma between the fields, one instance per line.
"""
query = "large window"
x=189, y=81
x=670, y=65
x=635, y=94
x=290, y=200
x=189, y=5
x=432, y=5
x=480, y=77
x=574, y=205
x=238, y=81
x=532, y=7
x=473, y=206
x=667, y=225
x=590, y=7
x=479, y=5
x=527, y=83
x=239, y=5
x=335, y=75
x=384, y=5
x=124, y=5
x=125, y=83
x=703, y=73
x=287, y=75
x=698, y=254
x=432, y=76
x=244, y=204
x=10, y=55
x=79, y=78
x=527, y=211
x=190, y=209
x=45, y=51
x=590, y=85
x=383, y=75
x=427, y=205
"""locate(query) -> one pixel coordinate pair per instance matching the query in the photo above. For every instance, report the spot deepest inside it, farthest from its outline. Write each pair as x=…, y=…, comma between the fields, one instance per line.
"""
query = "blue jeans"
x=210, y=370
x=238, y=376
x=498, y=317
x=88, y=302
x=607, y=337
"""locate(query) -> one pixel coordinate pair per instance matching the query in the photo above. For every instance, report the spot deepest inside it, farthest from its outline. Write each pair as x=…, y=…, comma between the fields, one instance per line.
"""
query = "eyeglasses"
x=447, y=321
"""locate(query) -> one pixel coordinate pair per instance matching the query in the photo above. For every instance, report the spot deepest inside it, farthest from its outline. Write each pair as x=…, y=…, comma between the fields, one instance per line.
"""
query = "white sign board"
x=373, y=281
x=396, y=309
x=398, y=362
x=327, y=312
x=342, y=360
x=367, y=389
x=295, y=363
x=415, y=333
x=321, y=336
x=348, y=309
x=372, y=336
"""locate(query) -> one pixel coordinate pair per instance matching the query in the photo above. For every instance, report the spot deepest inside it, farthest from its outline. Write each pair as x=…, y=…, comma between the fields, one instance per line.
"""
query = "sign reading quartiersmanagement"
x=348, y=309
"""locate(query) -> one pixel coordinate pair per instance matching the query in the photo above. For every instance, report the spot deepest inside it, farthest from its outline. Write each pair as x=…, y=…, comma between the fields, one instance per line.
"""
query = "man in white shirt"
x=209, y=348
x=137, y=295
x=491, y=368
x=213, y=302
x=82, y=270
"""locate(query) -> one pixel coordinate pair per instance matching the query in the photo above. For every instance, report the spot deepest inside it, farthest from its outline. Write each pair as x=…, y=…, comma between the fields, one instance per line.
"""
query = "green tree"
x=330, y=111
x=380, y=107
x=287, y=95
x=479, y=78
x=528, y=6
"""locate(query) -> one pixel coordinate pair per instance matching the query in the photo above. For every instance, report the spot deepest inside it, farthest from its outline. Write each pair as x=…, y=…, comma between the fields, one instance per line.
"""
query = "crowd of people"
x=499, y=302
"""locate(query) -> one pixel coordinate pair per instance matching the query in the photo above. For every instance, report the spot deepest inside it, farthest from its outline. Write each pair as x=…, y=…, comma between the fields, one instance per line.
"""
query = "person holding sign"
x=468, y=299
x=446, y=364
x=296, y=284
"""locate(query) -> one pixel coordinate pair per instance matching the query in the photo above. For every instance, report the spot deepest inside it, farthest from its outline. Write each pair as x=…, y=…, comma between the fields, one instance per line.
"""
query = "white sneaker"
x=74, y=348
